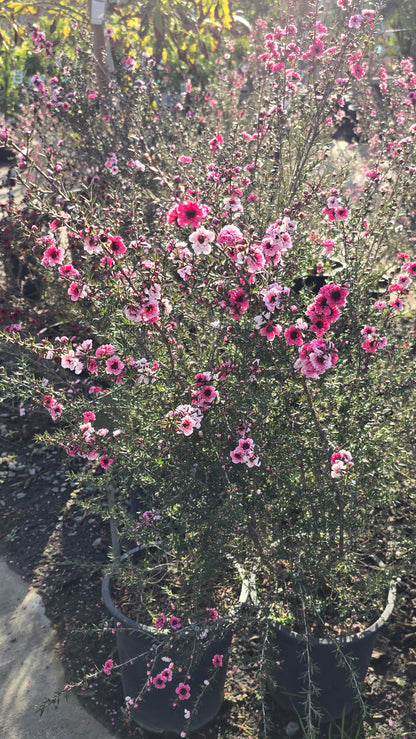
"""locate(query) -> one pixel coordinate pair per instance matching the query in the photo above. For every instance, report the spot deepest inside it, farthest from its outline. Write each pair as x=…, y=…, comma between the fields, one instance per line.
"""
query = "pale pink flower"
x=230, y=235
x=149, y=311
x=114, y=365
x=133, y=313
x=187, y=425
x=274, y=297
x=201, y=240
x=77, y=291
x=380, y=305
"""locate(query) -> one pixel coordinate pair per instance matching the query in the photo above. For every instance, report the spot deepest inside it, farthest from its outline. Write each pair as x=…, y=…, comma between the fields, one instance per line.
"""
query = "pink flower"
x=380, y=305
x=315, y=358
x=217, y=660
x=205, y=396
x=175, y=622
x=239, y=301
x=114, y=365
x=237, y=455
x=105, y=461
x=77, y=291
x=68, y=269
x=149, y=312
x=108, y=666
x=187, y=425
x=270, y=330
x=335, y=295
x=159, y=681
x=188, y=213
x=183, y=691
x=184, y=159
x=340, y=462
x=319, y=324
x=410, y=267
x=230, y=236
x=355, y=21
x=215, y=142
x=328, y=246
x=116, y=245
x=212, y=614
x=52, y=255
x=104, y=350
x=167, y=673
x=89, y=416
x=396, y=304
x=133, y=313
x=341, y=213
x=201, y=240
x=160, y=622
x=293, y=336
x=274, y=297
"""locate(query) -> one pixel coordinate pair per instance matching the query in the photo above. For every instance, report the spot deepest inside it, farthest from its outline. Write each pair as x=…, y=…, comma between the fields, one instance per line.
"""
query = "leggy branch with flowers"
x=246, y=352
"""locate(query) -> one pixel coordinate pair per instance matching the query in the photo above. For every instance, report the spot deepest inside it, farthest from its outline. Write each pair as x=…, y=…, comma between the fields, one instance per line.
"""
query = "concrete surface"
x=29, y=671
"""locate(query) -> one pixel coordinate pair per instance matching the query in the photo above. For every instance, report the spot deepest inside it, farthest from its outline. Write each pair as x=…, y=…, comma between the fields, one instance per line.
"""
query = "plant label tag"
x=97, y=12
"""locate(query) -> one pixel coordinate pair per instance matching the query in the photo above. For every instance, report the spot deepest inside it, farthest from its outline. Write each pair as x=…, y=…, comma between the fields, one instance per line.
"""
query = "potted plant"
x=244, y=291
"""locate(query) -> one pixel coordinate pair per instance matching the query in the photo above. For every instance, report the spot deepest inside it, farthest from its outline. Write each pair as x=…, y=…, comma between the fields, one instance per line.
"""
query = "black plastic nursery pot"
x=160, y=710
x=337, y=667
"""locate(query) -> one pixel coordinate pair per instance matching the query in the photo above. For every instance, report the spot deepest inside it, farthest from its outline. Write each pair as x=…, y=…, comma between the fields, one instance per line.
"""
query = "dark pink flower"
x=293, y=335
x=159, y=681
x=183, y=691
x=108, y=667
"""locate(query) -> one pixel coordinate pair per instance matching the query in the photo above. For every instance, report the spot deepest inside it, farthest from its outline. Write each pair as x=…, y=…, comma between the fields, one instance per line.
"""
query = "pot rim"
x=374, y=627
x=151, y=630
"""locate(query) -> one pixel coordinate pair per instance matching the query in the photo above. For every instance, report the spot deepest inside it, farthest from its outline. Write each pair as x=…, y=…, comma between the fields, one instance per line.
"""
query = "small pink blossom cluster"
x=148, y=518
x=186, y=418
x=277, y=240
x=325, y=308
x=111, y=163
x=205, y=393
x=275, y=297
x=159, y=681
x=373, y=341
x=40, y=42
x=316, y=358
x=334, y=210
x=279, y=53
x=341, y=461
x=51, y=404
x=92, y=440
x=244, y=453
x=401, y=286
x=108, y=666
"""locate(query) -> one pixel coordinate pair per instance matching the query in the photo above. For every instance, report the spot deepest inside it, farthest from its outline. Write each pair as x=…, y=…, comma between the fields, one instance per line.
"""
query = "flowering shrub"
x=245, y=301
